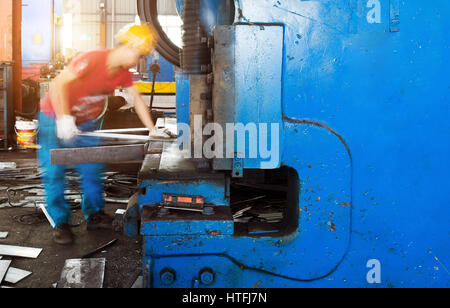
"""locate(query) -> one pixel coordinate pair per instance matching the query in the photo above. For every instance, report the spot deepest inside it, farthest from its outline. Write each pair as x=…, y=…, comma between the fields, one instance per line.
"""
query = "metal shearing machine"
x=329, y=126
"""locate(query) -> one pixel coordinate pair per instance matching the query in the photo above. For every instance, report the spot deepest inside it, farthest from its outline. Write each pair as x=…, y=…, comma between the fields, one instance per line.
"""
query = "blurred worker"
x=77, y=102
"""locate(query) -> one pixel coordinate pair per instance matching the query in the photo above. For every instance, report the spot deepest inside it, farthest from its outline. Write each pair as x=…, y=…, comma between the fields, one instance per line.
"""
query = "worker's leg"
x=92, y=187
x=53, y=176
x=90, y=174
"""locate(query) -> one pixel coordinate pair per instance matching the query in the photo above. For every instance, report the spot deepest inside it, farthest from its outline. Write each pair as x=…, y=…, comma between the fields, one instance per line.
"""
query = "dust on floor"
x=123, y=258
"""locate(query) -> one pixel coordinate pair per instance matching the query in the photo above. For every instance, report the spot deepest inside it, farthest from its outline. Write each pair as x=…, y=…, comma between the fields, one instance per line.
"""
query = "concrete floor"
x=123, y=259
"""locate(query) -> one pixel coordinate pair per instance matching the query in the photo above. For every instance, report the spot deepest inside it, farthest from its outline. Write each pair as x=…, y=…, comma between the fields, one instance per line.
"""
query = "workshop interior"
x=298, y=144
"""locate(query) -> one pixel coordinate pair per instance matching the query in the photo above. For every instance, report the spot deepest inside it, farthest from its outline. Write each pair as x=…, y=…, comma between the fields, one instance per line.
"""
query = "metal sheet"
x=14, y=275
x=172, y=160
x=123, y=130
x=18, y=251
x=106, y=154
x=138, y=284
x=248, y=96
x=4, y=265
x=116, y=136
x=83, y=273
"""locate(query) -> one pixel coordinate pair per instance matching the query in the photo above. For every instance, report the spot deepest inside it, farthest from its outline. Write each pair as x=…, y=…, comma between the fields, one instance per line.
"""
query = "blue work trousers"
x=54, y=175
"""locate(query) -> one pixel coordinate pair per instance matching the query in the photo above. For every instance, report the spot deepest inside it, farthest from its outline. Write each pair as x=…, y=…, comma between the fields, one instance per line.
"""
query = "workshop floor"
x=123, y=258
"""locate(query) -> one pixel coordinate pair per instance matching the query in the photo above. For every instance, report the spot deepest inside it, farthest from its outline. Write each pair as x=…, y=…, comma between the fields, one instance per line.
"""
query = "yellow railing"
x=160, y=87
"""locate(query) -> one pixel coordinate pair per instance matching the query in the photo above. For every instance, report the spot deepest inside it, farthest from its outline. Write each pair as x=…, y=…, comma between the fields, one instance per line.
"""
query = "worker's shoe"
x=62, y=235
x=99, y=221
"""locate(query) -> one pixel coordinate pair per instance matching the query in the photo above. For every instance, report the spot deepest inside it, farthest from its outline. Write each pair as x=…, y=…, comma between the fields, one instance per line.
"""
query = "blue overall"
x=54, y=175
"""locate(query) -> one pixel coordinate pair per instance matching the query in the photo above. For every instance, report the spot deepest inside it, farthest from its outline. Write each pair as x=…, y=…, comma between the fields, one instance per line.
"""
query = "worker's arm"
x=59, y=92
x=65, y=122
x=141, y=108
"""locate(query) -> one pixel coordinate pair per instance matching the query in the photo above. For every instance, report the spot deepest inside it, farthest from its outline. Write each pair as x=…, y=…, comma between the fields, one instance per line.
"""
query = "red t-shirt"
x=88, y=92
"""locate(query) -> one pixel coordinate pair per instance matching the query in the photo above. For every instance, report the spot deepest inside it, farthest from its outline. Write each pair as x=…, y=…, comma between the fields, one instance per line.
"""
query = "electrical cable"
x=155, y=69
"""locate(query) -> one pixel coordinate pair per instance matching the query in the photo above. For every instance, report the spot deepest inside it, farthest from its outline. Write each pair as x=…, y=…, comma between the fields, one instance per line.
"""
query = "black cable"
x=155, y=69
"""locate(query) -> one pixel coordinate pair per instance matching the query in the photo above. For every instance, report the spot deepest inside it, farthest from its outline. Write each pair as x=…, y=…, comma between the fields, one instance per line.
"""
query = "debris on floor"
x=138, y=284
x=18, y=251
x=8, y=273
x=4, y=266
x=83, y=273
x=99, y=249
x=23, y=223
x=24, y=188
x=8, y=165
x=15, y=275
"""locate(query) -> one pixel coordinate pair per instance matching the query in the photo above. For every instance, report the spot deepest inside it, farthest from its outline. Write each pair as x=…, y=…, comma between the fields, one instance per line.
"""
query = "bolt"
x=163, y=212
x=208, y=210
x=207, y=276
x=167, y=276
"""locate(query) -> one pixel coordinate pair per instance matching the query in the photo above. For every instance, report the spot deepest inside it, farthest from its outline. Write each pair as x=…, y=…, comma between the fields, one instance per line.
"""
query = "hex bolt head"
x=207, y=276
x=167, y=276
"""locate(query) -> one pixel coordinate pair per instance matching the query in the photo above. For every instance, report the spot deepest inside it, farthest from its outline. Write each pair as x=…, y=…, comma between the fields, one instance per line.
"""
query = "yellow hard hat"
x=141, y=37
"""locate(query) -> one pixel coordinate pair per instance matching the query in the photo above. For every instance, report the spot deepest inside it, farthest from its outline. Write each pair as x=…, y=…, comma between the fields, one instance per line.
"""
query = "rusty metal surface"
x=102, y=154
x=83, y=273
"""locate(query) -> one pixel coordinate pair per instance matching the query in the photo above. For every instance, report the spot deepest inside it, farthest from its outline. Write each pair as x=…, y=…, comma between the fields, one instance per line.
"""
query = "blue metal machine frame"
x=363, y=102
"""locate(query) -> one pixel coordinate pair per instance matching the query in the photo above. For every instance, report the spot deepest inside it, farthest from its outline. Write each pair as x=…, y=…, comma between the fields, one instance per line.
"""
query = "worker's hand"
x=66, y=128
x=161, y=133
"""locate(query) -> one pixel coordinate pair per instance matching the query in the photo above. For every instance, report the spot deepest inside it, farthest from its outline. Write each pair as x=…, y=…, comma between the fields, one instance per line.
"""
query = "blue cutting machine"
x=335, y=173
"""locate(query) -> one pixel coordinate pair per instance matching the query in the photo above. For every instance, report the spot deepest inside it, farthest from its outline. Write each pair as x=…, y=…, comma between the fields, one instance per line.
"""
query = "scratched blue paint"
x=365, y=111
x=182, y=86
x=193, y=227
x=211, y=10
x=167, y=71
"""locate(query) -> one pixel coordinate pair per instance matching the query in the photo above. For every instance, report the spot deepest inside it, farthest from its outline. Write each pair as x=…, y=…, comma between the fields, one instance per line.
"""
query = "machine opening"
x=164, y=16
x=264, y=203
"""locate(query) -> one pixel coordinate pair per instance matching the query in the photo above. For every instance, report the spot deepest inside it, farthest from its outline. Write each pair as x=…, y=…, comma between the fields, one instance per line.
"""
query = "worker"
x=76, y=102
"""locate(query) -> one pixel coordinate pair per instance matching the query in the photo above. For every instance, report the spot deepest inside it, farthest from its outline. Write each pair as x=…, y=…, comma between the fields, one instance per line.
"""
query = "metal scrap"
x=15, y=275
x=4, y=266
x=18, y=251
x=99, y=249
x=83, y=274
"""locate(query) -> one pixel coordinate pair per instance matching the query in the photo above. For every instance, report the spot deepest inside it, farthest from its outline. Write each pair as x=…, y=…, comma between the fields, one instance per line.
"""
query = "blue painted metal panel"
x=182, y=86
x=167, y=71
x=365, y=111
x=171, y=227
x=258, y=67
x=211, y=12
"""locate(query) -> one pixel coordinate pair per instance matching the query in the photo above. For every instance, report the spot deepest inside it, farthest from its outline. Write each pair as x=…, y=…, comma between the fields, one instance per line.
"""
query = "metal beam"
x=126, y=137
x=102, y=154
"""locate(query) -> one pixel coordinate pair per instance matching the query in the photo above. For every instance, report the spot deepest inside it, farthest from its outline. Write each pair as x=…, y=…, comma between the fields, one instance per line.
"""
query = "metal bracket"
x=238, y=167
